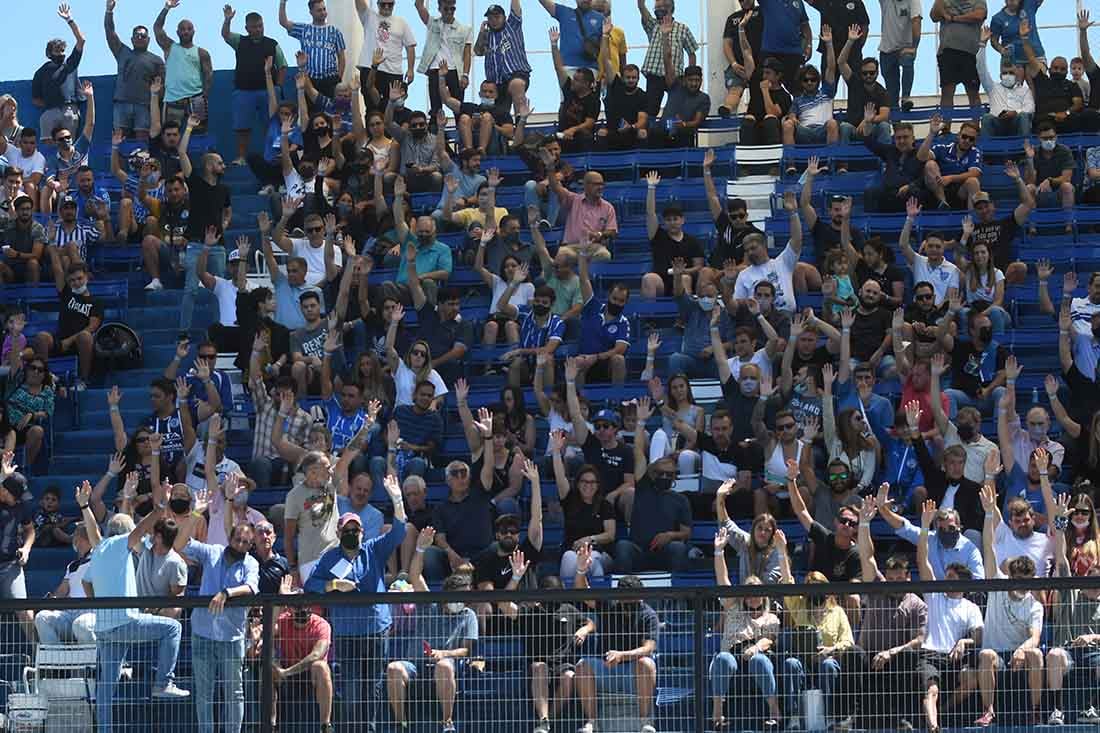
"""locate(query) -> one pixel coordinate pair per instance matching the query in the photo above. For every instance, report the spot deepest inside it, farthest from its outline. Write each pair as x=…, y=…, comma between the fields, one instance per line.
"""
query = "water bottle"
x=1034, y=396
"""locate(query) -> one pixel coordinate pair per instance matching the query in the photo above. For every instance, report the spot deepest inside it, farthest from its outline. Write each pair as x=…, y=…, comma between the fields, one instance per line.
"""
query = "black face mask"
x=1058, y=76
x=349, y=540
x=425, y=240
x=179, y=506
x=662, y=483
x=614, y=309
x=948, y=537
x=419, y=133
x=966, y=431
x=985, y=333
x=540, y=310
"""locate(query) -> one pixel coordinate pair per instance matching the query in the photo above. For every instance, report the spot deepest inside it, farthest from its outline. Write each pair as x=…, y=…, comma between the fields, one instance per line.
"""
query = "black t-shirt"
x=859, y=96
x=1093, y=75
x=500, y=112
x=619, y=106
x=914, y=314
x=490, y=566
x=740, y=408
x=575, y=110
x=547, y=633
x=755, y=33
x=1053, y=96
x=76, y=311
x=626, y=625
x=819, y=358
x=1051, y=167
x=441, y=335
x=169, y=159
x=998, y=235
x=970, y=369
x=826, y=239
x=735, y=454
x=836, y=564
x=664, y=249
x=756, y=102
x=868, y=332
x=886, y=279
x=840, y=14
x=728, y=245
x=613, y=464
x=207, y=204
x=272, y=572
x=779, y=320
x=584, y=520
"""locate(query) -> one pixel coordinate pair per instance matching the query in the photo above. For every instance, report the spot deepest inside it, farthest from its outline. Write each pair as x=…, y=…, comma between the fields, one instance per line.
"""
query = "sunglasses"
x=458, y=472
x=925, y=296
x=419, y=352
x=1082, y=512
x=140, y=34
x=848, y=522
x=838, y=476
x=786, y=426
x=968, y=138
x=314, y=230
x=63, y=138
x=36, y=368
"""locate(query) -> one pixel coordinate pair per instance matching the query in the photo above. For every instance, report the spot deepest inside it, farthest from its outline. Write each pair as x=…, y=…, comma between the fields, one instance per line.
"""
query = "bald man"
x=188, y=71
x=589, y=217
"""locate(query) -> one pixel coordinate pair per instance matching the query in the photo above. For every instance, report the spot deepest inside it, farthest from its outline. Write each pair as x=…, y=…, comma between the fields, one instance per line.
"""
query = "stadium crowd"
x=348, y=379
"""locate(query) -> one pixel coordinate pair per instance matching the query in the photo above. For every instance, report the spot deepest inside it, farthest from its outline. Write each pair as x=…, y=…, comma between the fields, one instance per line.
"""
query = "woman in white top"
x=778, y=447
x=416, y=367
x=511, y=282
x=986, y=283
x=680, y=406
x=848, y=437
x=553, y=406
x=385, y=151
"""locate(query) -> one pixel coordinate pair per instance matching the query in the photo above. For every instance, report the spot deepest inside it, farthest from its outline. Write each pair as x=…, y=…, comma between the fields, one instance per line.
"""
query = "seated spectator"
x=302, y=641
x=310, y=514
x=1049, y=171
x=433, y=259
x=70, y=156
x=952, y=171
x=76, y=624
x=868, y=101
x=686, y=109
x=580, y=104
x=415, y=432
x=731, y=224
x=485, y=212
x=421, y=164
x=603, y=447
x=29, y=397
x=591, y=221
x=668, y=244
x=80, y=316
x=829, y=235
x=977, y=367
x=441, y=633
x=627, y=634
x=626, y=119
x=27, y=161
x=493, y=565
x=698, y=313
x=769, y=104
x=605, y=333
x=749, y=634
x=811, y=120
x=49, y=523
x=463, y=522
x=903, y=173
x=413, y=368
x=589, y=516
x=1011, y=102
x=931, y=267
x=849, y=439
x=23, y=245
x=835, y=555
x=1057, y=98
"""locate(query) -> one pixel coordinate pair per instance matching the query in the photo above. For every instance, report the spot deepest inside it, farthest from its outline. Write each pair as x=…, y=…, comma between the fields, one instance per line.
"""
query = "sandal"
x=719, y=724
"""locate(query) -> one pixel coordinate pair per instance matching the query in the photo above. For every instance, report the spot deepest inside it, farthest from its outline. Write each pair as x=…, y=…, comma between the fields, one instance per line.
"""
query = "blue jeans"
x=412, y=467
x=261, y=470
x=111, y=648
x=794, y=682
x=882, y=132
x=724, y=666
x=630, y=558
x=985, y=406
x=692, y=366
x=548, y=207
x=998, y=319
x=218, y=664
x=897, y=72
x=1018, y=126
x=215, y=265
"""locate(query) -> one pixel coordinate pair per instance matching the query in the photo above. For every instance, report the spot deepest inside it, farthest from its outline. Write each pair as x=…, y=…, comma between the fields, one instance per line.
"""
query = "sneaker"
x=449, y=727
x=647, y=727
x=154, y=285
x=266, y=190
x=327, y=728
x=904, y=726
x=1057, y=717
x=239, y=162
x=724, y=111
x=1089, y=716
x=907, y=105
x=589, y=727
x=794, y=723
x=170, y=691
x=842, y=725
x=543, y=726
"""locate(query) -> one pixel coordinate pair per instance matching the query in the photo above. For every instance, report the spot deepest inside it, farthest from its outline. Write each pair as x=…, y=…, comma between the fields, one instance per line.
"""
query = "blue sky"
x=37, y=22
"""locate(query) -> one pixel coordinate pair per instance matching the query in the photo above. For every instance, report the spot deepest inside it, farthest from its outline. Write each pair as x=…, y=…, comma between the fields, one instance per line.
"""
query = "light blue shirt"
x=111, y=574
x=468, y=184
x=217, y=576
x=288, y=309
x=371, y=519
x=939, y=557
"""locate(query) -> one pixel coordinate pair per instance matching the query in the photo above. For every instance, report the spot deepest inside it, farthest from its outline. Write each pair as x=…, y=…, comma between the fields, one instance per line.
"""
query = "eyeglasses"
x=847, y=522
x=140, y=34
x=923, y=296
x=968, y=138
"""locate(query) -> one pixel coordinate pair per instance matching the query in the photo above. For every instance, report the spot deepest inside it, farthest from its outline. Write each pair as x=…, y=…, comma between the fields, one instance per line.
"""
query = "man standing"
x=500, y=41
x=391, y=34
x=449, y=43
x=55, y=86
x=188, y=71
x=210, y=209
x=250, y=75
x=580, y=28
x=662, y=28
x=960, y=39
x=137, y=67
x=787, y=37
x=322, y=43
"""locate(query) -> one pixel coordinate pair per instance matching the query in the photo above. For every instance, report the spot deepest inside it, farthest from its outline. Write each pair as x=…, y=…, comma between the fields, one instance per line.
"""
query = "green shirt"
x=567, y=293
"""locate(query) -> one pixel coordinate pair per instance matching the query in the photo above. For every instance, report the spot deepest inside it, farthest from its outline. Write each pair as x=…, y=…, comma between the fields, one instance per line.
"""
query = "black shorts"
x=957, y=67
x=937, y=667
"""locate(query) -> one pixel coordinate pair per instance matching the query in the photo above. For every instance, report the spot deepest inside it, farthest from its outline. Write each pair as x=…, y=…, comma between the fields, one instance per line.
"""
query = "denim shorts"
x=130, y=116
x=248, y=107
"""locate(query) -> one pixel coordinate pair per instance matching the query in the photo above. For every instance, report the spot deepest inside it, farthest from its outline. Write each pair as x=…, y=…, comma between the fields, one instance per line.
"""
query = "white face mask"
x=749, y=385
x=1048, y=145
x=1082, y=523
x=1008, y=80
x=81, y=290
x=707, y=304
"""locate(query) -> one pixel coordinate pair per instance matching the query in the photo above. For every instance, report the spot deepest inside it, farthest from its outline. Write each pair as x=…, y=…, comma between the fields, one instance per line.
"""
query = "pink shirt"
x=583, y=217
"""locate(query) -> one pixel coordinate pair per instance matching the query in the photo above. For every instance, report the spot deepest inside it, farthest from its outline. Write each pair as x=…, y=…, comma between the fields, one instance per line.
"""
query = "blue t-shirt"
x=218, y=575
x=343, y=427
x=273, y=139
x=900, y=468
x=953, y=161
x=98, y=193
x=111, y=574
x=823, y=96
x=1016, y=487
x=572, y=36
x=879, y=414
x=418, y=429
x=55, y=166
x=783, y=21
x=656, y=511
x=371, y=518
x=1006, y=26
x=598, y=335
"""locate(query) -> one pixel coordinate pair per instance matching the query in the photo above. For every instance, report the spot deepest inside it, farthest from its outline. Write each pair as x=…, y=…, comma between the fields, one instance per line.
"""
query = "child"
x=49, y=522
x=1077, y=72
x=14, y=341
x=837, y=288
x=900, y=467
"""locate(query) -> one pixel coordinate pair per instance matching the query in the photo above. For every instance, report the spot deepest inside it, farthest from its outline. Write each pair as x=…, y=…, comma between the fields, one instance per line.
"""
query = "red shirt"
x=924, y=399
x=294, y=642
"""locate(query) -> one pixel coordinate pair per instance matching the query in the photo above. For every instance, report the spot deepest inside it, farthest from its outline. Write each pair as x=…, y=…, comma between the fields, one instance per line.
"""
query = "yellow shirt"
x=465, y=217
x=616, y=45
x=833, y=626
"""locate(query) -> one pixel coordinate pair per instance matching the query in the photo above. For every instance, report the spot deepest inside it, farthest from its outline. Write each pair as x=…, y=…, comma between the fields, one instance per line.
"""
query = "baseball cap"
x=66, y=201
x=348, y=517
x=607, y=415
x=235, y=255
x=981, y=197
x=494, y=9
x=20, y=199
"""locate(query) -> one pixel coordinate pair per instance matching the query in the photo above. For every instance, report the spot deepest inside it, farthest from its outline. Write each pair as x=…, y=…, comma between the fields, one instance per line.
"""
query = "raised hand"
x=557, y=442
x=1043, y=269
x=114, y=397
x=1012, y=368
x=83, y=493
x=993, y=462
x=828, y=376
x=117, y=463
x=1042, y=460
x=708, y=159
x=393, y=488
x=927, y=514
x=1069, y=283
x=855, y=32
x=721, y=538
x=813, y=166
x=793, y=469
x=790, y=202
x=645, y=409
x=654, y=342
x=988, y=496
x=554, y=34
x=531, y=472
x=1083, y=19
x=912, y=414
x=1012, y=170
x=484, y=422
x=426, y=538
x=652, y=179
x=867, y=510
x=912, y=208
x=810, y=428
x=1051, y=386
x=228, y=12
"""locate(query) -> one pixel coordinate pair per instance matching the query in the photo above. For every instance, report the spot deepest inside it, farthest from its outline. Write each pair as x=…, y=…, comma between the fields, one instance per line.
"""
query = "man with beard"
x=1077, y=629
x=1013, y=621
x=23, y=242
x=72, y=236
x=948, y=546
x=393, y=37
x=217, y=632
x=779, y=271
x=949, y=486
x=835, y=552
x=893, y=628
x=54, y=86
x=273, y=566
x=954, y=624
x=167, y=239
x=249, y=75
x=687, y=106
x=903, y=173
x=930, y=267
x=70, y=155
x=1058, y=98
x=137, y=67
x=626, y=123
x=732, y=225
x=952, y=170
x=744, y=27
x=999, y=235
x=869, y=332
x=723, y=461
x=1017, y=538
x=868, y=101
x=210, y=206
x=964, y=431
x=827, y=234
x=421, y=164
x=360, y=632
x=188, y=70
x=605, y=332
x=491, y=567
x=302, y=643
x=580, y=105
x=977, y=366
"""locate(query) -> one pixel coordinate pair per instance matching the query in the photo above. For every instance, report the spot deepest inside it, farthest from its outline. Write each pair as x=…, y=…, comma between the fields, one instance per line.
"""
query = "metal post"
x=267, y=659
x=699, y=666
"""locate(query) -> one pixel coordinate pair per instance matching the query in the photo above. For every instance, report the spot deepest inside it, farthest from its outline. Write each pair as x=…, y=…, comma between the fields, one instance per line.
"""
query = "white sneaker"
x=588, y=727
x=154, y=285
x=170, y=691
x=1056, y=718
x=648, y=728
x=1089, y=716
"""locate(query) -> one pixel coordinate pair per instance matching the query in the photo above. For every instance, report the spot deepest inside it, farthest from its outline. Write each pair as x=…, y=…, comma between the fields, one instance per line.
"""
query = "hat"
x=606, y=415
x=494, y=9
x=980, y=197
x=347, y=517
x=235, y=256
x=20, y=199
x=66, y=201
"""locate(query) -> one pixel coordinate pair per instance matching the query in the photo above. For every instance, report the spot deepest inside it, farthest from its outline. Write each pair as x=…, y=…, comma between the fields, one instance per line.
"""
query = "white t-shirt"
x=1010, y=621
x=226, y=294
x=315, y=257
x=296, y=188
x=985, y=291
x=778, y=271
x=760, y=359
x=391, y=34
x=196, y=468
x=949, y=619
x=942, y=278
x=75, y=578
x=404, y=382
x=36, y=163
x=1038, y=546
x=520, y=298
x=1080, y=312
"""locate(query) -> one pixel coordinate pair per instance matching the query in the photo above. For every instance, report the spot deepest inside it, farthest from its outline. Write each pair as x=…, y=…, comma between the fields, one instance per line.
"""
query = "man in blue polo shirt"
x=576, y=25
x=952, y=171
x=787, y=38
x=605, y=330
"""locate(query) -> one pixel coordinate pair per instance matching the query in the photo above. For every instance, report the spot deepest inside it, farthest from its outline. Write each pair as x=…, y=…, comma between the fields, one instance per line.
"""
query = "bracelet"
x=720, y=553
x=1044, y=474
x=517, y=578
x=1010, y=381
x=155, y=453
x=421, y=550
x=111, y=473
x=82, y=507
x=989, y=477
x=113, y=408
x=1060, y=523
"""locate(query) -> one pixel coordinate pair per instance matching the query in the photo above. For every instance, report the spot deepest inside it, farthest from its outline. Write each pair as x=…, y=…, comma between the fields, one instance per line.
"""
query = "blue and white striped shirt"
x=322, y=43
x=82, y=235
x=505, y=54
x=534, y=336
